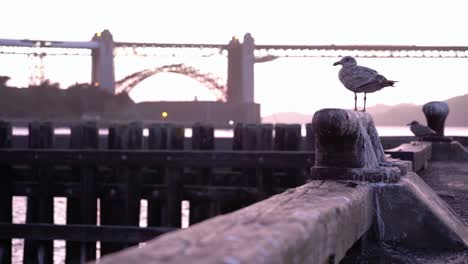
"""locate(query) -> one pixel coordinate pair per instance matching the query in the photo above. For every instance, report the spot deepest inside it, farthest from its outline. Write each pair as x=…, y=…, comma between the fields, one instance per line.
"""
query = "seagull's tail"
x=390, y=83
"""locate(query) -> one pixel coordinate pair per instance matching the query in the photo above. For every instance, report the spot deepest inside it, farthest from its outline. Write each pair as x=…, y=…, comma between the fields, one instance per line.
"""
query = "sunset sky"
x=302, y=85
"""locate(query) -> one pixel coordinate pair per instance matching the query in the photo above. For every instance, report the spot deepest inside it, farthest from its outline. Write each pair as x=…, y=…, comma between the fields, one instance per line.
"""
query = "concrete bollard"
x=348, y=147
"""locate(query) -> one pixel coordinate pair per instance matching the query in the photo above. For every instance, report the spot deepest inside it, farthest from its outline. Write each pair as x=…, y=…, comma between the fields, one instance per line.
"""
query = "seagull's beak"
x=337, y=63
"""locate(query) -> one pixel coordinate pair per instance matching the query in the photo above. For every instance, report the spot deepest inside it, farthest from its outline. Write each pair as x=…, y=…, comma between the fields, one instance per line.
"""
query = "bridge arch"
x=211, y=82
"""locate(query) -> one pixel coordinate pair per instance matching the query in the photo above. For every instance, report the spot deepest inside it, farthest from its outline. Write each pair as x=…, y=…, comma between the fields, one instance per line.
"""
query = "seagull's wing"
x=422, y=131
x=359, y=76
x=431, y=131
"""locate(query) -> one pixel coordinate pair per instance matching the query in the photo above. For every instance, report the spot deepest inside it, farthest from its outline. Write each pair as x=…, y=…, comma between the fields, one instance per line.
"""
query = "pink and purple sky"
x=284, y=85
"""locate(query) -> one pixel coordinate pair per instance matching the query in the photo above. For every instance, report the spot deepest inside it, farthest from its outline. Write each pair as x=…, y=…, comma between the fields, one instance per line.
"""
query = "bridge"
x=234, y=94
x=241, y=57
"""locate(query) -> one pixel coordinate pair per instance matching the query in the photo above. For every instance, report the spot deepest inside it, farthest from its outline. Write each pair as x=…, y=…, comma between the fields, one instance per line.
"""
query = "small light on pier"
x=231, y=122
x=164, y=114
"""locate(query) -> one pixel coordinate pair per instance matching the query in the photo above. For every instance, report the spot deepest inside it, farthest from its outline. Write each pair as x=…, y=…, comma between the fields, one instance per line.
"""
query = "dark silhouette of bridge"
x=237, y=90
x=210, y=81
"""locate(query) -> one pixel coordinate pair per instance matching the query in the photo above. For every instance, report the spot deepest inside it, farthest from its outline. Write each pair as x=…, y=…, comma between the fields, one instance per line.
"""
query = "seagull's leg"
x=355, y=101
x=364, y=102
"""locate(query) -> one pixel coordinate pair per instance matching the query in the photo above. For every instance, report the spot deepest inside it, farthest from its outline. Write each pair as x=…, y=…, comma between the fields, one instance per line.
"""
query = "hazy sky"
x=283, y=85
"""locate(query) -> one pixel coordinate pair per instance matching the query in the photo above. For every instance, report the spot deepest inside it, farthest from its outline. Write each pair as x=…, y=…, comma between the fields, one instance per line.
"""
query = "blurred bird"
x=360, y=79
x=421, y=130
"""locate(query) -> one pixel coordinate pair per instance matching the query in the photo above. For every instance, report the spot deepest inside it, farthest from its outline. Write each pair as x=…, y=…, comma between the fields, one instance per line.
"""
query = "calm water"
x=228, y=133
x=60, y=208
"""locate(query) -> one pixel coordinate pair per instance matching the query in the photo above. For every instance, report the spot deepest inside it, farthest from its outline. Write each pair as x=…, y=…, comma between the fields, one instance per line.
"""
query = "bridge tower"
x=102, y=74
x=240, y=80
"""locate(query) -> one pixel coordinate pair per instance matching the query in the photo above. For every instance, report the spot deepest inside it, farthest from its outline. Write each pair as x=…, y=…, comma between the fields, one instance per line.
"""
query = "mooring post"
x=348, y=147
x=436, y=113
x=5, y=192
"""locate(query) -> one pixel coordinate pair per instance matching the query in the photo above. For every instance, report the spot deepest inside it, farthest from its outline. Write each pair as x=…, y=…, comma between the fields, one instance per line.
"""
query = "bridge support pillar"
x=102, y=74
x=240, y=80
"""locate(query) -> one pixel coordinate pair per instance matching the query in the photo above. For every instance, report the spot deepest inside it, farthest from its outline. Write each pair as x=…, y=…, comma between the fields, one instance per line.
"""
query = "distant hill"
x=403, y=113
x=287, y=118
x=385, y=115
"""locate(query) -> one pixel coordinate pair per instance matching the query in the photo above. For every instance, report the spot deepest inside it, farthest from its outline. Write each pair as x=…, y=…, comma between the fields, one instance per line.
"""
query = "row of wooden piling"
x=212, y=190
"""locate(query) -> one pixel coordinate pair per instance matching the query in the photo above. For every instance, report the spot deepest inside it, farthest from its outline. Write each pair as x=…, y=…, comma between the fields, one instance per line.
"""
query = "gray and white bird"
x=421, y=130
x=360, y=79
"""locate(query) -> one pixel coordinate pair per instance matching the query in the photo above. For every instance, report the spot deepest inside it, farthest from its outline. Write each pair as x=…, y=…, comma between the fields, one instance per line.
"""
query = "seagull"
x=360, y=79
x=421, y=130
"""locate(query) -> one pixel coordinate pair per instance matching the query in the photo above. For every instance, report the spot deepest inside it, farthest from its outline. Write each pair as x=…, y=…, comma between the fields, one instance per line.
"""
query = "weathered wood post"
x=5, y=192
x=83, y=210
x=202, y=139
x=173, y=179
x=157, y=139
x=133, y=179
x=111, y=203
x=122, y=207
x=436, y=113
x=310, y=137
x=251, y=137
x=250, y=141
x=288, y=138
x=265, y=180
x=40, y=204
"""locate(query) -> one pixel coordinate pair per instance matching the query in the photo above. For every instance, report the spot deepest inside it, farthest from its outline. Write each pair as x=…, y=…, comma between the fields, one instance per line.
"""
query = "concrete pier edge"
x=318, y=222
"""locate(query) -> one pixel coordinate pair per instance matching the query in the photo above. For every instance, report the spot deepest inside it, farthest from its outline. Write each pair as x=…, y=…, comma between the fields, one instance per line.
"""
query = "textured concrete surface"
x=411, y=214
x=449, y=180
x=449, y=151
x=315, y=223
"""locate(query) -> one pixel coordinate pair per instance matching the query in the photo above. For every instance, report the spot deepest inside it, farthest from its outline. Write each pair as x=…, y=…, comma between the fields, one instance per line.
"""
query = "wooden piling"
x=40, y=209
x=173, y=179
x=265, y=177
x=310, y=137
x=5, y=192
x=202, y=139
x=122, y=207
x=133, y=180
x=83, y=210
x=157, y=139
x=288, y=138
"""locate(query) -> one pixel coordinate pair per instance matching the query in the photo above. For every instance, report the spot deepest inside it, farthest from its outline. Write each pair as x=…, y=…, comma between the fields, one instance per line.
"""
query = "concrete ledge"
x=453, y=151
x=389, y=174
x=315, y=223
x=411, y=214
x=418, y=152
